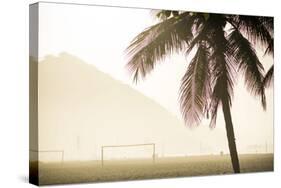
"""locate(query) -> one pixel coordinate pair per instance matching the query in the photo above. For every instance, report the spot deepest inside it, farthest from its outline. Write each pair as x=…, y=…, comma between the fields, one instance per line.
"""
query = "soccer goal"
x=47, y=155
x=115, y=152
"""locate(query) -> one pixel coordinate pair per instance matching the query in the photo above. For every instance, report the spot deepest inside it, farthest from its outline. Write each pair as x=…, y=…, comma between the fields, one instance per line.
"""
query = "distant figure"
x=221, y=153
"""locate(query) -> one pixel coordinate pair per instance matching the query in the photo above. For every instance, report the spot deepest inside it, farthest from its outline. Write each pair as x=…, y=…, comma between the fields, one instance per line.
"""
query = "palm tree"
x=223, y=46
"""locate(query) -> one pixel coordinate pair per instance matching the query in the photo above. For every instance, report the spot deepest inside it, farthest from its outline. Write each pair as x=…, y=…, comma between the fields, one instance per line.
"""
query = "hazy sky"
x=100, y=35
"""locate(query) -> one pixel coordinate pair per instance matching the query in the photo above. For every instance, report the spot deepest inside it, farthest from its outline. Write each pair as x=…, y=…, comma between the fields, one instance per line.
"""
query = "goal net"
x=128, y=152
x=47, y=155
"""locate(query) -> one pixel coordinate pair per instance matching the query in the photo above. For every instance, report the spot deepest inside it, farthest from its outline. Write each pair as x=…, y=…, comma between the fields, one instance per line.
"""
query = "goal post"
x=103, y=148
x=48, y=152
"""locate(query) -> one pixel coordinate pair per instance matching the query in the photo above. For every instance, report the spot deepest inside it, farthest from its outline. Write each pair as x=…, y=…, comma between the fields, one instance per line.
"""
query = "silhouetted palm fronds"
x=224, y=46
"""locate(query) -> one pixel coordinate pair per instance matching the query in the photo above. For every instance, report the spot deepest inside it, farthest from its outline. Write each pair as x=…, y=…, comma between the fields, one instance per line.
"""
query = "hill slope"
x=82, y=108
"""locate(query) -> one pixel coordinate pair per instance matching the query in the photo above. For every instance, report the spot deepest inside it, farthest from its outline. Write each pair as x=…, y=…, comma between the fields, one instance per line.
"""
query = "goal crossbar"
x=127, y=145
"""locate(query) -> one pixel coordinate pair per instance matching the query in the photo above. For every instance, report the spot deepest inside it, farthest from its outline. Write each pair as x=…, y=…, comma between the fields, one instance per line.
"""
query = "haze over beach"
x=179, y=117
x=99, y=47
x=67, y=86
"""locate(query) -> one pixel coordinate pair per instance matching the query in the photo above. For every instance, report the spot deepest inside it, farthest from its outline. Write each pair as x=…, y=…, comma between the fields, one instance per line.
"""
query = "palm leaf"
x=201, y=31
x=268, y=23
x=248, y=63
x=270, y=48
x=157, y=42
x=268, y=77
x=258, y=31
x=195, y=87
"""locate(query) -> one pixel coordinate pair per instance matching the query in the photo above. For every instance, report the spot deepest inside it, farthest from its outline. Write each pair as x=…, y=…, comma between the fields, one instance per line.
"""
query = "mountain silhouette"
x=82, y=108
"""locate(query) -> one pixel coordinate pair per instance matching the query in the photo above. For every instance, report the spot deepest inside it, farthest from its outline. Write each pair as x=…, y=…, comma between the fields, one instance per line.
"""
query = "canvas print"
x=120, y=93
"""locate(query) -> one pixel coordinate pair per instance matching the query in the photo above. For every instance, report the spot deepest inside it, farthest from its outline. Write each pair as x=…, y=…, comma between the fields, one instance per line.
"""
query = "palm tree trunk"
x=230, y=136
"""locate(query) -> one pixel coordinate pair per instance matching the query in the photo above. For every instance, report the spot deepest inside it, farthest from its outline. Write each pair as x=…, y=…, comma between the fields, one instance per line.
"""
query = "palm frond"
x=157, y=42
x=248, y=63
x=195, y=88
x=201, y=30
x=204, y=30
x=268, y=23
x=270, y=48
x=267, y=81
x=257, y=30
